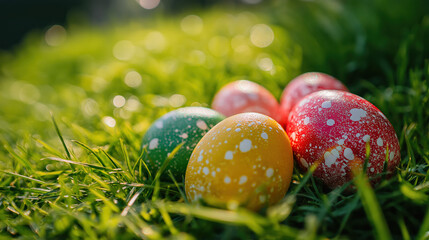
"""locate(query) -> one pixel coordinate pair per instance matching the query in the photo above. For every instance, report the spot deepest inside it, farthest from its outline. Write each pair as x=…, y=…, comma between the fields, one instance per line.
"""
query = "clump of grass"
x=82, y=175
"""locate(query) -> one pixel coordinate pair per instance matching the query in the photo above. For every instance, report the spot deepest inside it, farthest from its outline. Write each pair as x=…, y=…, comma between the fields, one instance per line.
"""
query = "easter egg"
x=332, y=128
x=246, y=159
x=245, y=96
x=187, y=125
x=303, y=85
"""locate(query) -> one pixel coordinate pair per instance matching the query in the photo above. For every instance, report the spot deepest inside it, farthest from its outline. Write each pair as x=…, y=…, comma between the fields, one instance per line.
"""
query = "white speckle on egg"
x=228, y=129
x=238, y=129
x=269, y=172
x=306, y=120
x=391, y=155
x=264, y=135
x=159, y=124
x=357, y=114
x=243, y=179
x=228, y=155
x=304, y=162
x=348, y=153
x=340, y=142
x=184, y=135
x=366, y=138
x=330, y=122
x=331, y=157
x=372, y=169
x=202, y=125
x=218, y=169
x=293, y=136
x=380, y=142
x=200, y=158
x=245, y=145
x=326, y=104
x=227, y=180
x=357, y=135
x=206, y=170
x=153, y=143
x=213, y=173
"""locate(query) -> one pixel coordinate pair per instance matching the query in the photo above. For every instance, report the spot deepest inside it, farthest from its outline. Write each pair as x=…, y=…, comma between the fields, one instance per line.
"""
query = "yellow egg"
x=246, y=159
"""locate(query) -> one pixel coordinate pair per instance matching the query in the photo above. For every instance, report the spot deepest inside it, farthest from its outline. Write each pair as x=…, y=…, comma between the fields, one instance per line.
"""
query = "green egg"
x=187, y=125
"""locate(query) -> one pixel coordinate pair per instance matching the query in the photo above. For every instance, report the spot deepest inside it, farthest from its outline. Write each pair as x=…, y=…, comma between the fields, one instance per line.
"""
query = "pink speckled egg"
x=245, y=96
x=245, y=159
x=331, y=128
x=303, y=85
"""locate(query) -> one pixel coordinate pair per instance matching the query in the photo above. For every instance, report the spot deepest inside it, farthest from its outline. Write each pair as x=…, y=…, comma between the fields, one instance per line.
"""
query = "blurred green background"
x=107, y=69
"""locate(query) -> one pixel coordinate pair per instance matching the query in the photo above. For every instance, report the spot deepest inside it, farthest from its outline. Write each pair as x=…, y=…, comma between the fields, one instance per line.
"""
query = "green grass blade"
x=91, y=151
x=131, y=202
x=26, y=177
x=371, y=207
x=60, y=136
x=104, y=199
x=243, y=217
x=156, y=180
x=80, y=163
x=424, y=228
x=19, y=159
x=126, y=157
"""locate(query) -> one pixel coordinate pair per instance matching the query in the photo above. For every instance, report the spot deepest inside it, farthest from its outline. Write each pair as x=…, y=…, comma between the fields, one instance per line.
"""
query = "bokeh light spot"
x=155, y=41
x=25, y=92
x=261, y=35
x=192, y=25
x=89, y=107
x=251, y=1
x=119, y=101
x=159, y=101
x=265, y=64
x=123, y=50
x=177, y=100
x=133, y=104
x=149, y=4
x=197, y=57
x=109, y=121
x=55, y=35
x=133, y=79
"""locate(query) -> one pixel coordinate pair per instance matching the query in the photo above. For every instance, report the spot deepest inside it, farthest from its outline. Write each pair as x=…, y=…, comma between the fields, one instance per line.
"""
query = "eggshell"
x=303, y=85
x=331, y=128
x=246, y=158
x=245, y=96
x=186, y=125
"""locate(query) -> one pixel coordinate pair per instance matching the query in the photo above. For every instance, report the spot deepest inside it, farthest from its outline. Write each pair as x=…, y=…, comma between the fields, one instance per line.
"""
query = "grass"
x=70, y=161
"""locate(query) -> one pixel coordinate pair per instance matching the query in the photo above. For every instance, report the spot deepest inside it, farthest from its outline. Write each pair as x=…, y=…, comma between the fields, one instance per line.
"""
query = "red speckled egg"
x=331, y=128
x=245, y=159
x=303, y=85
x=245, y=96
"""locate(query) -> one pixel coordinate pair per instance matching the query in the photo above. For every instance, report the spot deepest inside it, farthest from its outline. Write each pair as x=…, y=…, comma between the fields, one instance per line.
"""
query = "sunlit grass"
x=73, y=112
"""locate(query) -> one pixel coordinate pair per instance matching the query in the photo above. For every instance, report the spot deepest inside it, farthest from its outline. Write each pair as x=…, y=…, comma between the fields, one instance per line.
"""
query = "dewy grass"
x=82, y=175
